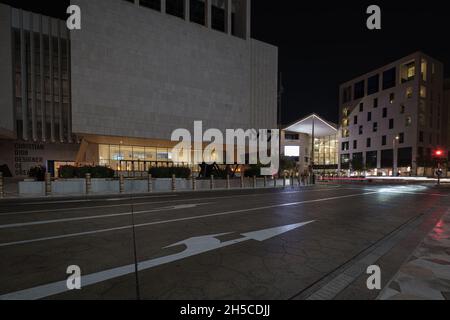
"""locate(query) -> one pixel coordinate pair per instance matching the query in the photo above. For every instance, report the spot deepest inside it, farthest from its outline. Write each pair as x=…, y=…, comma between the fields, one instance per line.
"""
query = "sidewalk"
x=426, y=275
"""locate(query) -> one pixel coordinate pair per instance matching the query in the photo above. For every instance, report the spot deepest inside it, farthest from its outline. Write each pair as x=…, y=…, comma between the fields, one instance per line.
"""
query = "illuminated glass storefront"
x=134, y=158
x=326, y=152
x=141, y=159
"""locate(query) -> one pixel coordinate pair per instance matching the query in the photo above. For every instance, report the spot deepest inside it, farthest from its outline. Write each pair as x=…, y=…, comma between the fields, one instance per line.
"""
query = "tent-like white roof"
x=322, y=128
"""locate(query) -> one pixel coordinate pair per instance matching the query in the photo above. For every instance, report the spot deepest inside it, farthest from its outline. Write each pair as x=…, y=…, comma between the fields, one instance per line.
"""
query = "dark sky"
x=324, y=43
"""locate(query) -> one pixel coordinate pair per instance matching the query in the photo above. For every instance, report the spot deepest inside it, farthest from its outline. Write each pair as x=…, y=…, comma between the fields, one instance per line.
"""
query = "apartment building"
x=392, y=118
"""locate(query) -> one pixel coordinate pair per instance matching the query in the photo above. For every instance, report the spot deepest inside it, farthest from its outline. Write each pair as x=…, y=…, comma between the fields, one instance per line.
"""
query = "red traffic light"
x=439, y=153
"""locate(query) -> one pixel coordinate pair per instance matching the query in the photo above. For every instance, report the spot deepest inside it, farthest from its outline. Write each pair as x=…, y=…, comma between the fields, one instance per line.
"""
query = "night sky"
x=324, y=43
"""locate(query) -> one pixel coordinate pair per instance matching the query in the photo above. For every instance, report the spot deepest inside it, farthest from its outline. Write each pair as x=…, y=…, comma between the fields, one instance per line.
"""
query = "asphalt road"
x=249, y=244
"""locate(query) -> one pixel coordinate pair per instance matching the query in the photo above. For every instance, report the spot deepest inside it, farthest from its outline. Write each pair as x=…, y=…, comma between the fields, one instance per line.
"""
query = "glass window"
x=424, y=69
x=127, y=152
x=359, y=89
x=409, y=92
x=103, y=152
x=150, y=154
x=116, y=154
x=423, y=92
x=373, y=84
x=139, y=153
x=389, y=78
x=162, y=154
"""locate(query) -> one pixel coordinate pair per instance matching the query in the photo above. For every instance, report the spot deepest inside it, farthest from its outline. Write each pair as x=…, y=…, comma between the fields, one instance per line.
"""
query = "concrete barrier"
x=115, y=186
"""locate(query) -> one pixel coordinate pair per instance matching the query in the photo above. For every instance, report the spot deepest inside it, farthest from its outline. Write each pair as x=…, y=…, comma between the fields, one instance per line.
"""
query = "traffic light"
x=438, y=153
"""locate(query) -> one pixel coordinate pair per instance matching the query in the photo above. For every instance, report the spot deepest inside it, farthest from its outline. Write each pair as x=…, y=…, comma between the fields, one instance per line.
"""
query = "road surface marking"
x=167, y=201
x=181, y=219
x=93, y=200
x=194, y=246
x=36, y=223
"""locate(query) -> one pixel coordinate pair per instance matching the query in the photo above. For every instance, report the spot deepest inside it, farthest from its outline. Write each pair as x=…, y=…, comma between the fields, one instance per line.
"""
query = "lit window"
x=423, y=92
x=409, y=92
x=408, y=122
x=423, y=67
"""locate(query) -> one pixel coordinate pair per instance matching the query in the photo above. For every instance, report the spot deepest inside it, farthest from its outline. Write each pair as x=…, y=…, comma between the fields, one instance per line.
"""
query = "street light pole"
x=394, y=156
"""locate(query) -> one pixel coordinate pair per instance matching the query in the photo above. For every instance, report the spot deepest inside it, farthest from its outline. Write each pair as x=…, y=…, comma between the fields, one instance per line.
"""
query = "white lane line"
x=103, y=216
x=92, y=200
x=182, y=219
x=167, y=201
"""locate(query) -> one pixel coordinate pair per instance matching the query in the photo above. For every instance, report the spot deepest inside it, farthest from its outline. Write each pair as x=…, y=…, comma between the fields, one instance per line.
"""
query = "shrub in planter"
x=67, y=172
x=98, y=172
x=253, y=170
x=160, y=173
x=37, y=173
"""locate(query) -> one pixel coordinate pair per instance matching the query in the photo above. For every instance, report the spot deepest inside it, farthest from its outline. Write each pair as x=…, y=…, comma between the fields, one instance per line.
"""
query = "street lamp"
x=394, y=162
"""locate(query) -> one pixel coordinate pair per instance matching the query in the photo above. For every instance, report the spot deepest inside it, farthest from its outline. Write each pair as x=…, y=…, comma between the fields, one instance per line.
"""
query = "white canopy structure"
x=313, y=125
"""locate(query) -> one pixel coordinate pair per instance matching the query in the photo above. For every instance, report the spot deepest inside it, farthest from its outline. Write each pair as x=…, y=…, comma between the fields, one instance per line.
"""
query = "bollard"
x=194, y=183
x=242, y=181
x=211, y=184
x=48, y=184
x=228, y=182
x=275, y=182
x=2, y=191
x=150, y=183
x=121, y=183
x=265, y=181
x=254, y=182
x=88, y=183
x=284, y=180
x=174, y=183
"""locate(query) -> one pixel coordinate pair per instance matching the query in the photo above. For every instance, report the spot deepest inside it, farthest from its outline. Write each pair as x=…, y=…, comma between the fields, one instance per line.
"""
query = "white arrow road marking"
x=194, y=246
x=35, y=223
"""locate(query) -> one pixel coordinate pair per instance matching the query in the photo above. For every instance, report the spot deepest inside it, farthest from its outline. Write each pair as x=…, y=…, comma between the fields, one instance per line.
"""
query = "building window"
x=375, y=127
x=383, y=140
x=389, y=78
x=392, y=98
x=345, y=146
x=421, y=136
x=361, y=107
x=292, y=136
x=218, y=15
x=375, y=103
x=369, y=143
x=345, y=112
x=401, y=138
x=402, y=109
x=424, y=69
x=369, y=116
x=152, y=4
x=408, y=121
x=175, y=8
x=197, y=11
x=355, y=144
x=373, y=84
x=361, y=129
x=409, y=92
x=384, y=112
x=359, y=89
x=408, y=71
x=345, y=133
x=355, y=120
x=391, y=124
x=345, y=161
x=346, y=94
x=423, y=92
